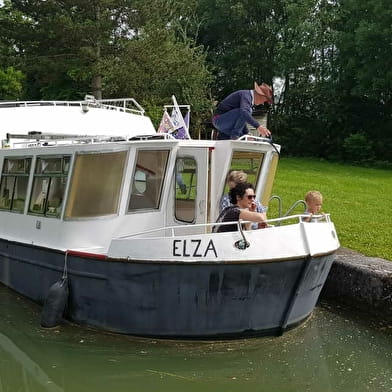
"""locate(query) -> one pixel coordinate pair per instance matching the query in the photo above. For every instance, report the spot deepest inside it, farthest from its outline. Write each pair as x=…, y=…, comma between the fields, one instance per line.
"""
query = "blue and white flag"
x=179, y=122
x=183, y=132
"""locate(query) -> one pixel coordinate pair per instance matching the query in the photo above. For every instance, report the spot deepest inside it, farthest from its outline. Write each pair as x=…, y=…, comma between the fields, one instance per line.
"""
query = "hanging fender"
x=55, y=304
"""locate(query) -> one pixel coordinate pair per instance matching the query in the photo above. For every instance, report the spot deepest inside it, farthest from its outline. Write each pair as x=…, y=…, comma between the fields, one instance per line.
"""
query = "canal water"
x=333, y=351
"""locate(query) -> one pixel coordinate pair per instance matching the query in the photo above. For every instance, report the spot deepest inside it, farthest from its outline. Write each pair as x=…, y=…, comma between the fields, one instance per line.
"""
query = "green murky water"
x=332, y=351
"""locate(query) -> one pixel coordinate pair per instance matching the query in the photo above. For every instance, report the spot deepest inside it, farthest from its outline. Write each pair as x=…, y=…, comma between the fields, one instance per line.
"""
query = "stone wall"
x=361, y=282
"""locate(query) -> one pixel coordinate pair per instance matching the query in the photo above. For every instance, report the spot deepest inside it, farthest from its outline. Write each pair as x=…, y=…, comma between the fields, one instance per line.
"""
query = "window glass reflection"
x=148, y=178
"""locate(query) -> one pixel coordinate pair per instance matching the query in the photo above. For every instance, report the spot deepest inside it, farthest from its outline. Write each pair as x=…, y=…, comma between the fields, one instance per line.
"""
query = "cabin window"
x=185, y=189
x=148, y=177
x=14, y=181
x=248, y=161
x=96, y=184
x=267, y=188
x=50, y=180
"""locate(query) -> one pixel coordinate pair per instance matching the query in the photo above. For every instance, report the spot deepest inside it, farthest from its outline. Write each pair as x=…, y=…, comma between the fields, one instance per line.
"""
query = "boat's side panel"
x=186, y=300
x=216, y=246
x=309, y=286
x=29, y=270
x=168, y=299
x=294, y=241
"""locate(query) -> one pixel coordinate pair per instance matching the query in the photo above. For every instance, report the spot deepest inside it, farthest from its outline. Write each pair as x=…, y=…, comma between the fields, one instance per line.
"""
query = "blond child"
x=314, y=202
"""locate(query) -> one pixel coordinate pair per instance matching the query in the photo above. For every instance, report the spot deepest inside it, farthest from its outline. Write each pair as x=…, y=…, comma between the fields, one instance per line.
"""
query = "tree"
x=364, y=31
x=71, y=47
x=11, y=84
x=305, y=112
x=240, y=37
x=154, y=67
x=331, y=57
x=60, y=44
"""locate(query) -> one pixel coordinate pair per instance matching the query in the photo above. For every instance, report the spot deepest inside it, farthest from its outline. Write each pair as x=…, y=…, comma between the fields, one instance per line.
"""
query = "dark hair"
x=239, y=190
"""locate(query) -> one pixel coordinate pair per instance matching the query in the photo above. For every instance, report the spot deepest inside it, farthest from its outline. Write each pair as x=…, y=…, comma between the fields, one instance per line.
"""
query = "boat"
x=93, y=197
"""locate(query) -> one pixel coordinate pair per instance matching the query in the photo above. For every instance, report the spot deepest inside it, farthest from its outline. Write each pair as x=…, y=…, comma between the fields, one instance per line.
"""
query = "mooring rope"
x=65, y=271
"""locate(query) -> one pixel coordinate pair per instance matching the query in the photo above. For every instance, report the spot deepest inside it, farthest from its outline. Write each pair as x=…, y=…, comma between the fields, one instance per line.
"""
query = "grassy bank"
x=358, y=199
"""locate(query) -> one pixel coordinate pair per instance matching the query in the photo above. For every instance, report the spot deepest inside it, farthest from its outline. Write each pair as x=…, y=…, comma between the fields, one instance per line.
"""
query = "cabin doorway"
x=189, y=186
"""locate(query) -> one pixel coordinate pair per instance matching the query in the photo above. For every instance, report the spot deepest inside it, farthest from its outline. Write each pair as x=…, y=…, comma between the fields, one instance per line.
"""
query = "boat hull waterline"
x=166, y=299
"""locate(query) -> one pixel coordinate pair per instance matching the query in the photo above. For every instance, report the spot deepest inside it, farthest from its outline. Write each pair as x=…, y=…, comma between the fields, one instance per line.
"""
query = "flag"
x=183, y=132
x=180, y=124
x=176, y=116
x=166, y=125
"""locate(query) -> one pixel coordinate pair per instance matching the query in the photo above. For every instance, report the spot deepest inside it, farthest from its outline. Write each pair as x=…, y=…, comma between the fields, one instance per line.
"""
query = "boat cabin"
x=91, y=191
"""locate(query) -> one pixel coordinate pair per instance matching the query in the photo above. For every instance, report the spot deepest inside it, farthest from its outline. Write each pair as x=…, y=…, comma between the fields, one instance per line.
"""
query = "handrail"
x=102, y=103
x=298, y=202
x=172, y=229
x=10, y=104
x=252, y=138
x=107, y=104
x=155, y=136
x=275, y=197
x=280, y=205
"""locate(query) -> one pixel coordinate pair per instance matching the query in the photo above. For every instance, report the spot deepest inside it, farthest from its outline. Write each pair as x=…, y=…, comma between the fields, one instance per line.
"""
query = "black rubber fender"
x=55, y=303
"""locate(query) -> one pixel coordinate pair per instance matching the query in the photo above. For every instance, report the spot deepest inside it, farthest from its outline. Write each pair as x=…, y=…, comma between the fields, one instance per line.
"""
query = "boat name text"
x=193, y=248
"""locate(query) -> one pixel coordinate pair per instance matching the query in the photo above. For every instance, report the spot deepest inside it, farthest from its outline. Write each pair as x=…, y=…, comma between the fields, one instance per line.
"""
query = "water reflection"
x=331, y=352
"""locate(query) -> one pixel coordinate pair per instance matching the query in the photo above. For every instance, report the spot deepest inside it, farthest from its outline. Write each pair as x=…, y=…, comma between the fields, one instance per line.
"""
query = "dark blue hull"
x=187, y=300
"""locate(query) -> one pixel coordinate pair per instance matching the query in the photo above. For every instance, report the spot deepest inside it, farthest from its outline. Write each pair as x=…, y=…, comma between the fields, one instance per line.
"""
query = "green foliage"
x=60, y=45
x=329, y=61
x=154, y=67
x=357, y=198
x=358, y=149
x=240, y=38
x=11, y=84
x=364, y=41
x=137, y=48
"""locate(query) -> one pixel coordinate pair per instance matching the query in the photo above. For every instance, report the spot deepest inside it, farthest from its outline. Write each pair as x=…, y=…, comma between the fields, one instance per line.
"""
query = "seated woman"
x=242, y=198
x=234, y=178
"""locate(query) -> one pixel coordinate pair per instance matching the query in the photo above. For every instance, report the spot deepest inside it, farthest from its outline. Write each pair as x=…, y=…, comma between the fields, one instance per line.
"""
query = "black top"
x=229, y=214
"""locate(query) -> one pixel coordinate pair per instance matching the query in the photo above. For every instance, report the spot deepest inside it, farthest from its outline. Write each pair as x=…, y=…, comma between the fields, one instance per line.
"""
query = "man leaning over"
x=235, y=111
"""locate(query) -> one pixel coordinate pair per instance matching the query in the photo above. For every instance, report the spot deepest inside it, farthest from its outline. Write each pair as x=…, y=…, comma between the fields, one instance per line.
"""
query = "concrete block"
x=361, y=282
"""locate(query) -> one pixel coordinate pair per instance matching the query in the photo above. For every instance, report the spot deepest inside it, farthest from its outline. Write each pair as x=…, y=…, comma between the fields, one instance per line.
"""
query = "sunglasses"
x=251, y=197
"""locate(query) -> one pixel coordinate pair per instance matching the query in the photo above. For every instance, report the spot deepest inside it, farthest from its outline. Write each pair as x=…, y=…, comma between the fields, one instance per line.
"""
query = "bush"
x=358, y=148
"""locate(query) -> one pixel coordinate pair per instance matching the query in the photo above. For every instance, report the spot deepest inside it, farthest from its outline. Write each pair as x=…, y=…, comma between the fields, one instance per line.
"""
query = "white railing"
x=173, y=231
x=122, y=104
x=128, y=105
x=17, y=104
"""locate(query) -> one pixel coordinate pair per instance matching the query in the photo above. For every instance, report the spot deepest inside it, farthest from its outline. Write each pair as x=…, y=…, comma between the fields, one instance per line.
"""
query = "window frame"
x=38, y=174
x=158, y=202
x=72, y=178
x=193, y=175
x=257, y=175
x=15, y=176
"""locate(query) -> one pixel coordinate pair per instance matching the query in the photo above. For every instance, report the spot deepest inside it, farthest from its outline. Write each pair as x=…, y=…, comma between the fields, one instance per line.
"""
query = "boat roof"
x=115, y=118
x=29, y=124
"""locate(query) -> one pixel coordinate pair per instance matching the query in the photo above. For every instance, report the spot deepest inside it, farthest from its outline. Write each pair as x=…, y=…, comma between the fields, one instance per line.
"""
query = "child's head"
x=236, y=177
x=314, y=201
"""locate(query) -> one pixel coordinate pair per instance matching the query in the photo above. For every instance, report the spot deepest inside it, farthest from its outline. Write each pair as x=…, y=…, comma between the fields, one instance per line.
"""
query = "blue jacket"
x=241, y=99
